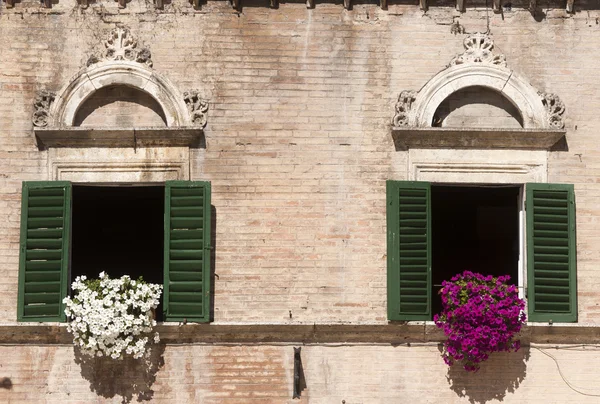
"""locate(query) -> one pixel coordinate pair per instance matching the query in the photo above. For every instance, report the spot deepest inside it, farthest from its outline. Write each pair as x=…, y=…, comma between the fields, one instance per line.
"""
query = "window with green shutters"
x=46, y=239
x=550, y=251
x=409, y=250
x=187, y=251
x=44, y=250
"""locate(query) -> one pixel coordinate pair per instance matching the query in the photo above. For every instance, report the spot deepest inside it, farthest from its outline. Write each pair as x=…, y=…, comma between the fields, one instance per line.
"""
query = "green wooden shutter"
x=187, y=251
x=409, y=250
x=44, y=250
x=551, y=253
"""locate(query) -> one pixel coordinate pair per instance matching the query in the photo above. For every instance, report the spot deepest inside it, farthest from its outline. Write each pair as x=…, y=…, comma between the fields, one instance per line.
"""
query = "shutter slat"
x=46, y=201
x=186, y=309
x=197, y=254
x=36, y=287
x=44, y=243
x=42, y=297
x=42, y=310
x=185, y=287
x=186, y=211
x=45, y=233
x=409, y=252
x=54, y=211
x=187, y=201
x=551, y=253
x=186, y=222
x=43, y=255
x=45, y=276
x=185, y=234
x=187, y=276
x=185, y=265
x=186, y=297
x=44, y=251
x=186, y=244
x=45, y=222
x=187, y=191
x=50, y=265
x=187, y=237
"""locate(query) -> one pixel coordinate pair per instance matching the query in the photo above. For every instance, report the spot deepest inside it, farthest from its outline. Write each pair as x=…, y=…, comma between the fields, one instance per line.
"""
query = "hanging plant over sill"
x=481, y=315
x=113, y=317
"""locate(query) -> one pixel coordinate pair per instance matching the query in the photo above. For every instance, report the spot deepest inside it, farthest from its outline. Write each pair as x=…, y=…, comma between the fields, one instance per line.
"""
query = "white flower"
x=103, y=323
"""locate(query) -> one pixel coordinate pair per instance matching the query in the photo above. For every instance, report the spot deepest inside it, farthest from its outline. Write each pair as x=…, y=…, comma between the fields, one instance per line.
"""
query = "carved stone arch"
x=118, y=73
x=541, y=113
x=120, y=62
x=500, y=79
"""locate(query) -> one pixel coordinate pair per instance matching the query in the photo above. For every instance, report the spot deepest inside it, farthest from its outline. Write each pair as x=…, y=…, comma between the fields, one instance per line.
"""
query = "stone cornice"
x=406, y=137
x=314, y=334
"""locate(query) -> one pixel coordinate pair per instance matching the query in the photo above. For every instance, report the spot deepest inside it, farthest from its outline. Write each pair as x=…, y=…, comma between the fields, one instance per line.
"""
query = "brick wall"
x=264, y=374
x=298, y=149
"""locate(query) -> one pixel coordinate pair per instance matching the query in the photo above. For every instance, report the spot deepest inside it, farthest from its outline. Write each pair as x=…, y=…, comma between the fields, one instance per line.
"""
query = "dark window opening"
x=118, y=230
x=476, y=229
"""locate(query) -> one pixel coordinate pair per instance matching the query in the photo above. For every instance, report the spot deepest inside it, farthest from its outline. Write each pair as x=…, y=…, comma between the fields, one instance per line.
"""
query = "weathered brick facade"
x=298, y=148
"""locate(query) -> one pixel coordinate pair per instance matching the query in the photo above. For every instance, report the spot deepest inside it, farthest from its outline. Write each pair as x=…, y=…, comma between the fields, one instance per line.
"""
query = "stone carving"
x=403, y=106
x=43, y=101
x=197, y=107
x=555, y=108
x=122, y=45
x=478, y=49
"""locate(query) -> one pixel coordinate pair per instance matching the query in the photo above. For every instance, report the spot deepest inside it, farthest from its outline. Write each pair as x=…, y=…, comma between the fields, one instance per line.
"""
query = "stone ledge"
x=302, y=333
x=119, y=137
x=475, y=138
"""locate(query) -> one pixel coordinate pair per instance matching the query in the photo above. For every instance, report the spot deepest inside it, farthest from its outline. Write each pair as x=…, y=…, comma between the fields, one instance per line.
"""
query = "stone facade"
x=288, y=112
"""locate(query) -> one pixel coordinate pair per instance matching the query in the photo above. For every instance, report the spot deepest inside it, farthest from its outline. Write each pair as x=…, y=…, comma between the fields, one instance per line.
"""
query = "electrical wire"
x=571, y=386
x=487, y=17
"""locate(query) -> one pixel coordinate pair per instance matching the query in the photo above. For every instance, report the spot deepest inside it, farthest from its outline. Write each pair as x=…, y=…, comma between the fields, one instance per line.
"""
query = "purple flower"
x=481, y=315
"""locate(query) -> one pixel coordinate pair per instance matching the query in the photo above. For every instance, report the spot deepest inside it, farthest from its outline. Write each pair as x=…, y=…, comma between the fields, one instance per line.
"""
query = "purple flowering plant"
x=480, y=315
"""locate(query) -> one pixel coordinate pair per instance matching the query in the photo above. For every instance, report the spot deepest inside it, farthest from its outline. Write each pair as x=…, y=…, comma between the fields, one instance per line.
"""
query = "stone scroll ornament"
x=122, y=45
x=403, y=106
x=43, y=101
x=197, y=107
x=555, y=109
x=478, y=49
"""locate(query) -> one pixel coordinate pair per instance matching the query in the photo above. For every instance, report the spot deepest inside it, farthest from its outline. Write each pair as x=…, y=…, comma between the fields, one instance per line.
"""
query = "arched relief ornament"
x=121, y=62
x=197, y=107
x=42, y=104
x=542, y=114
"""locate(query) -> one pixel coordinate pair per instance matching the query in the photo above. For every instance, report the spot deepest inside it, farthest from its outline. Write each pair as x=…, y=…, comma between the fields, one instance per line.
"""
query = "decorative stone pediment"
x=478, y=49
x=122, y=45
x=122, y=62
x=542, y=113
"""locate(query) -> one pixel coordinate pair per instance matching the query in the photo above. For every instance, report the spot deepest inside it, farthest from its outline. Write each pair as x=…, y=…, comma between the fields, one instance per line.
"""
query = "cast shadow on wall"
x=131, y=379
x=502, y=373
x=5, y=383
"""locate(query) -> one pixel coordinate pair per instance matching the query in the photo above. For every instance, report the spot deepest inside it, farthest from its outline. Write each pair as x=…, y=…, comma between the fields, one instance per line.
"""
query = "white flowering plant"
x=112, y=317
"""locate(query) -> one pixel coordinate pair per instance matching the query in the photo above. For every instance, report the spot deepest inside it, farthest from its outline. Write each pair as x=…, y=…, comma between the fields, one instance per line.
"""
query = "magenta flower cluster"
x=481, y=315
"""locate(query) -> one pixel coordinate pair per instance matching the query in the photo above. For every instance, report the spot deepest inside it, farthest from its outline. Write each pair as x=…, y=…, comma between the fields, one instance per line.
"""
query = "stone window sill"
x=82, y=137
x=475, y=138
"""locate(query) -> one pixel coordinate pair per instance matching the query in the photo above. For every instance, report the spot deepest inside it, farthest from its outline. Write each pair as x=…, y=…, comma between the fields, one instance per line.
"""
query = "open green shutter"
x=409, y=250
x=551, y=253
x=44, y=250
x=187, y=251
